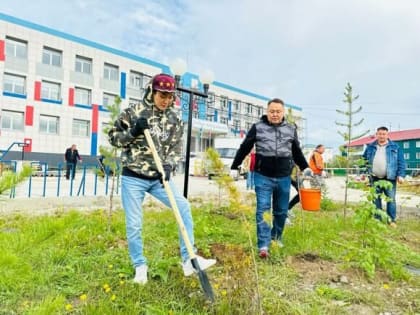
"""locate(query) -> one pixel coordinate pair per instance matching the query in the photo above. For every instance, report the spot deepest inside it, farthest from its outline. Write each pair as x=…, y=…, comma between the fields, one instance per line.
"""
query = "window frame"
x=111, y=72
x=12, y=121
x=49, y=56
x=106, y=96
x=14, y=44
x=80, y=125
x=48, y=124
x=13, y=83
x=50, y=84
x=81, y=93
x=84, y=62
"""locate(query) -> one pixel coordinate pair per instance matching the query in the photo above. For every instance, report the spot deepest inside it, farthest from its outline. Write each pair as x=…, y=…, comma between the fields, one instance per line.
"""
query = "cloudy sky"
x=303, y=51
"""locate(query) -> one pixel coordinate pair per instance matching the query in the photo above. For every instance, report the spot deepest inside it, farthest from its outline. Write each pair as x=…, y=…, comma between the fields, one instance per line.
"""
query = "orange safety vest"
x=316, y=163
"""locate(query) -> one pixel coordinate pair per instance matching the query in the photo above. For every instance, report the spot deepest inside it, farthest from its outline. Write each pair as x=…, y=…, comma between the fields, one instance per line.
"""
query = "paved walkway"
x=92, y=194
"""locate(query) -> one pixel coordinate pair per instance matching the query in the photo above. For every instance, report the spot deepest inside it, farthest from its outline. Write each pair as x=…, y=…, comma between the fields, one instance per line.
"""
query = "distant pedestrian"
x=385, y=161
x=250, y=174
x=316, y=163
x=71, y=156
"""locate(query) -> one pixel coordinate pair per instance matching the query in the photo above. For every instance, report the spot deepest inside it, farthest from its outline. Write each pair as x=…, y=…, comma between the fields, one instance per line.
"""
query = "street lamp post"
x=179, y=68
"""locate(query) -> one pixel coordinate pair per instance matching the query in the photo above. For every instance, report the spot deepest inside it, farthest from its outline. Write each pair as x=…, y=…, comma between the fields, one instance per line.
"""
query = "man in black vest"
x=277, y=151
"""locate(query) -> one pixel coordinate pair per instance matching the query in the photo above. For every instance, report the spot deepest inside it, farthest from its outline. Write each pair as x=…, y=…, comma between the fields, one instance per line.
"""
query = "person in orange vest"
x=316, y=162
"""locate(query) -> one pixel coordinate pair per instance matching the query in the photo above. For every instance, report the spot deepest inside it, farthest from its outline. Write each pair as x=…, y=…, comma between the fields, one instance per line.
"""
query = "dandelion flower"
x=105, y=286
x=386, y=286
x=69, y=307
x=113, y=297
x=110, y=266
x=108, y=290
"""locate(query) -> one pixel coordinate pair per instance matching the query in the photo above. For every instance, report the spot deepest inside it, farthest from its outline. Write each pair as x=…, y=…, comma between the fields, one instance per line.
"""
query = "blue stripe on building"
x=94, y=144
x=123, y=86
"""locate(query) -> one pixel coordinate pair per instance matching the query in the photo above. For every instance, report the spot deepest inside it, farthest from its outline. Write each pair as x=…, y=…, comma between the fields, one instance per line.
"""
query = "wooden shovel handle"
x=170, y=194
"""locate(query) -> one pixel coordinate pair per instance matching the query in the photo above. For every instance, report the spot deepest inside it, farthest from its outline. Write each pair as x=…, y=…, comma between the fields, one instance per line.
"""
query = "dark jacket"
x=277, y=148
x=72, y=156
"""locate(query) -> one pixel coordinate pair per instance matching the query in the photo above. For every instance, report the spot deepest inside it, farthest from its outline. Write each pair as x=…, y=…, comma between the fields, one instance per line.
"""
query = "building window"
x=133, y=101
x=81, y=127
x=11, y=120
x=83, y=65
x=83, y=96
x=48, y=124
x=16, y=48
x=223, y=102
x=110, y=72
x=249, y=108
x=224, y=120
x=406, y=156
x=417, y=155
x=211, y=99
x=417, y=144
x=136, y=80
x=108, y=99
x=406, y=145
x=51, y=57
x=236, y=124
x=14, y=84
x=51, y=91
x=248, y=125
x=237, y=106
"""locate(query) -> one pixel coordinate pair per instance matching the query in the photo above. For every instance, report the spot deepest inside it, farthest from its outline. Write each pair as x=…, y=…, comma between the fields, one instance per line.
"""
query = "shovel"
x=204, y=280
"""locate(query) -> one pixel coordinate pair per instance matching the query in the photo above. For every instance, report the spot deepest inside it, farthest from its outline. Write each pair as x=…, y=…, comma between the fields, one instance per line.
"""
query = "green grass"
x=68, y=263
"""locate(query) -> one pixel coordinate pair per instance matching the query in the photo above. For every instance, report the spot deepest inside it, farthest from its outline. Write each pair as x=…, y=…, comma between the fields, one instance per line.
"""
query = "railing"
x=90, y=180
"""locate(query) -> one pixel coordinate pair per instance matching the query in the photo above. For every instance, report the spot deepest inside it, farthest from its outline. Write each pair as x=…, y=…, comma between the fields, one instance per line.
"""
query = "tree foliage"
x=349, y=128
x=110, y=153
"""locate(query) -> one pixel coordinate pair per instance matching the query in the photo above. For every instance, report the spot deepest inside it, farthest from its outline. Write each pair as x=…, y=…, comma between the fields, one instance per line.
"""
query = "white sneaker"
x=202, y=262
x=288, y=222
x=141, y=275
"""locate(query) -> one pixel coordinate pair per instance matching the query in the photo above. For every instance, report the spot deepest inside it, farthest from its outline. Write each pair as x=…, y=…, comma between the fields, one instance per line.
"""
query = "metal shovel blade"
x=204, y=280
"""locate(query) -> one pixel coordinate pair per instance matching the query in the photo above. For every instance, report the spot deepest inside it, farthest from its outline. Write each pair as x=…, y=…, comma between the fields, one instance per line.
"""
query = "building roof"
x=393, y=135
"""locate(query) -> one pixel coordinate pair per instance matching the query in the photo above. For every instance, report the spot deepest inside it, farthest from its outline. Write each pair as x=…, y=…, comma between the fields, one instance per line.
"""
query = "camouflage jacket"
x=166, y=129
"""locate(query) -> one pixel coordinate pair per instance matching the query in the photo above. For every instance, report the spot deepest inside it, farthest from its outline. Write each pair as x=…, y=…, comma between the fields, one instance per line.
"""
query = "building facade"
x=55, y=88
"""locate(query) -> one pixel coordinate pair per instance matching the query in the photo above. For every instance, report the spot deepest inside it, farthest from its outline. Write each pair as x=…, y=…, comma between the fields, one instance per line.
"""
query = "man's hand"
x=234, y=174
x=167, y=168
x=400, y=180
x=139, y=127
x=307, y=172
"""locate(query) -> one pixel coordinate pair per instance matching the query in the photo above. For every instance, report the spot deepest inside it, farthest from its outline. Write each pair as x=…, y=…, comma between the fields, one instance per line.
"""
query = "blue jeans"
x=391, y=205
x=133, y=191
x=250, y=180
x=267, y=189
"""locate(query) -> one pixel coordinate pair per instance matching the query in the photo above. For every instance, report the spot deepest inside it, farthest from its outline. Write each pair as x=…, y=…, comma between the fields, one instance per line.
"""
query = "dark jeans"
x=296, y=198
x=70, y=167
x=268, y=189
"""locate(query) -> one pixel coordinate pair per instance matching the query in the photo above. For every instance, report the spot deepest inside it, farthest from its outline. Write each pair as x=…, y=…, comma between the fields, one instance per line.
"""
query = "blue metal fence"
x=89, y=180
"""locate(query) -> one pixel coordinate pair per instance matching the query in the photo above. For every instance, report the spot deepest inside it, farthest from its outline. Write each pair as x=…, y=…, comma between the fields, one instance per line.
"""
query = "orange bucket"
x=310, y=199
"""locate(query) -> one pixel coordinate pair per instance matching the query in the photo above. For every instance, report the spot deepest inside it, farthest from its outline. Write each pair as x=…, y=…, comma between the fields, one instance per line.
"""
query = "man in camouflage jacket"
x=140, y=174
